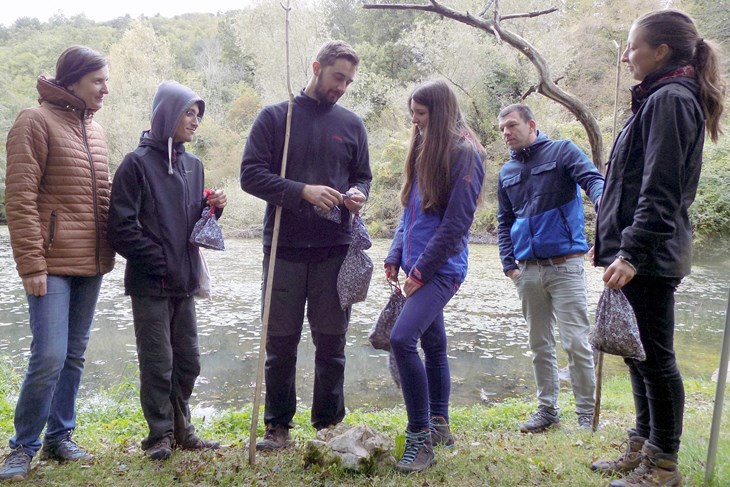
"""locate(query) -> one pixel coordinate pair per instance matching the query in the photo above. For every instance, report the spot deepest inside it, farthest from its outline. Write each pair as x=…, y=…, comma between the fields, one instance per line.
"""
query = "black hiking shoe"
x=162, y=450
x=540, y=421
x=194, y=442
x=277, y=437
x=65, y=450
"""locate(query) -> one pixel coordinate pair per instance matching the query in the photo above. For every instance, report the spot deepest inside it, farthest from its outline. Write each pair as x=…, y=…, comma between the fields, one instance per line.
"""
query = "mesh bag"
x=616, y=331
x=356, y=271
x=206, y=232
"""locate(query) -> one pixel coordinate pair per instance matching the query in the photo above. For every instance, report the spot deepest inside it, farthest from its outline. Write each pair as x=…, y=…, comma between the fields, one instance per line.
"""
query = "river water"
x=488, y=351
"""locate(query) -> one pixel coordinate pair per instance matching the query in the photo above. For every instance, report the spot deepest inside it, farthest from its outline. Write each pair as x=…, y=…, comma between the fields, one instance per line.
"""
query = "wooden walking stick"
x=599, y=360
x=272, y=261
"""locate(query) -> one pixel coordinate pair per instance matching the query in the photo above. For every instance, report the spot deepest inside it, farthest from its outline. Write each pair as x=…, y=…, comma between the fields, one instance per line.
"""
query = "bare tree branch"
x=529, y=14
x=545, y=85
x=483, y=11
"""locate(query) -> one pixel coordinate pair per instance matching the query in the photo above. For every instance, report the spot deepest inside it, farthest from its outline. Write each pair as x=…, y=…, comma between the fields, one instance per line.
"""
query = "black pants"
x=169, y=363
x=295, y=285
x=657, y=384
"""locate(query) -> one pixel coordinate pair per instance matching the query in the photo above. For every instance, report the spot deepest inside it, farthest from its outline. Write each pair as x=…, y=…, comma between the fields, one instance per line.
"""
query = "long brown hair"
x=428, y=162
x=75, y=62
x=678, y=31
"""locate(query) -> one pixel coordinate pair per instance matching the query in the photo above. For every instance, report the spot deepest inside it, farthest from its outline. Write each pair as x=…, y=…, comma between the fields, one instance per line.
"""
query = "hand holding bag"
x=616, y=331
x=379, y=335
x=356, y=271
x=206, y=232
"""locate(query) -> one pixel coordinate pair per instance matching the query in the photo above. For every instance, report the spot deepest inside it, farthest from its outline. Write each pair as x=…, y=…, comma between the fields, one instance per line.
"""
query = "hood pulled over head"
x=168, y=107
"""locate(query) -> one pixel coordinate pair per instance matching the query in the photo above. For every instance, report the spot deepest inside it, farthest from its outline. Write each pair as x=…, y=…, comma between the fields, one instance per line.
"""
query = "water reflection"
x=487, y=336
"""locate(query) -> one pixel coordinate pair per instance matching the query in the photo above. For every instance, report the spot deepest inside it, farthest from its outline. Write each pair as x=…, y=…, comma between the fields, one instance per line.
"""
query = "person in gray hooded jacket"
x=157, y=196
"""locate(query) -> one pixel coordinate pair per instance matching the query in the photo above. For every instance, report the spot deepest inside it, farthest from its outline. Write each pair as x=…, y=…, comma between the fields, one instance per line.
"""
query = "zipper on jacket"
x=93, y=193
x=51, y=229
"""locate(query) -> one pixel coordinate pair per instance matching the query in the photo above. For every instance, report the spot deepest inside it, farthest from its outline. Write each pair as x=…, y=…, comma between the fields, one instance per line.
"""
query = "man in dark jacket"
x=157, y=196
x=327, y=157
x=541, y=244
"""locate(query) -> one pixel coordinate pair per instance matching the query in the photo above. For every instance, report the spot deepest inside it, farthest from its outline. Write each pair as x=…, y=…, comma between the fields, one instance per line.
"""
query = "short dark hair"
x=524, y=111
x=331, y=51
x=75, y=62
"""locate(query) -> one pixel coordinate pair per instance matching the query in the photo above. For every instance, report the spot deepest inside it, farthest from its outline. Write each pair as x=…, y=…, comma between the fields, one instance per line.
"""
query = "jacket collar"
x=54, y=94
x=673, y=74
x=526, y=153
x=312, y=104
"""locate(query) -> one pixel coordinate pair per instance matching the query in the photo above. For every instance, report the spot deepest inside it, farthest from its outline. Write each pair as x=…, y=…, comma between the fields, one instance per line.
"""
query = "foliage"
x=236, y=62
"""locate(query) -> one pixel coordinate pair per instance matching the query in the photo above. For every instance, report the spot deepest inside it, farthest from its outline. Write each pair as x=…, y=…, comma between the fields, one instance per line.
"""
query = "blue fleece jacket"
x=540, y=207
x=430, y=243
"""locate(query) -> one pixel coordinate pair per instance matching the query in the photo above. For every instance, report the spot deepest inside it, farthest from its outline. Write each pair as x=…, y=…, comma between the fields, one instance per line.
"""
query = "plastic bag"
x=206, y=232
x=379, y=335
x=356, y=271
x=616, y=331
x=205, y=289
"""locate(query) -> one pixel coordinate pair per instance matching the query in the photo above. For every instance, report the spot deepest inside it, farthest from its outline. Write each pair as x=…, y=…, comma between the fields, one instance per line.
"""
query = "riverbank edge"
x=489, y=449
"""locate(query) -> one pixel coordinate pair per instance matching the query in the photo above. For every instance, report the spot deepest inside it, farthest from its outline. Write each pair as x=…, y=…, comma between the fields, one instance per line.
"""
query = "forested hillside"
x=236, y=61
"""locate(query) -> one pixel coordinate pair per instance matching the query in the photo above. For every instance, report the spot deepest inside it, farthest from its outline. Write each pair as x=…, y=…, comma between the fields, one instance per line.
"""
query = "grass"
x=489, y=450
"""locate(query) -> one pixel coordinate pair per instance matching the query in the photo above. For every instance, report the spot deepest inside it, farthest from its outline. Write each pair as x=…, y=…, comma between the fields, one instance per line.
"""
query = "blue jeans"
x=556, y=294
x=426, y=389
x=60, y=323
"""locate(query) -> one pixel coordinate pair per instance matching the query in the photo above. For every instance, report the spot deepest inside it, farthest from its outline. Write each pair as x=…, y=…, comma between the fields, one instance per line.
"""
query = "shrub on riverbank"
x=489, y=450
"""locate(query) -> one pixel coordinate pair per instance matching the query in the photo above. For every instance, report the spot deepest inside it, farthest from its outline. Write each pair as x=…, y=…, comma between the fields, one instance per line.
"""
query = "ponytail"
x=706, y=62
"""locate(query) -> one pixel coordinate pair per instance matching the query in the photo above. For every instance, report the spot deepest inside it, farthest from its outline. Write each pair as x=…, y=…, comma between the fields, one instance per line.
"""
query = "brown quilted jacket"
x=57, y=188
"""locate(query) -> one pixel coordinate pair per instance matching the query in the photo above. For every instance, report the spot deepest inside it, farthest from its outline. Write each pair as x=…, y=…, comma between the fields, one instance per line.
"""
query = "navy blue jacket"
x=328, y=146
x=652, y=179
x=430, y=243
x=540, y=207
x=152, y=212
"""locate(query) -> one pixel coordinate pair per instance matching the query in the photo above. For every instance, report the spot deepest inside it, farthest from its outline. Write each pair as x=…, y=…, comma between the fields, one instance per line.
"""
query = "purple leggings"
x=426, y=388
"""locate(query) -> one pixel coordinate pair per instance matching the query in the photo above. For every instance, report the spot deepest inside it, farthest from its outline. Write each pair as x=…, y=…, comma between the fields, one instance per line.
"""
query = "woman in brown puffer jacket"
x=57, y=200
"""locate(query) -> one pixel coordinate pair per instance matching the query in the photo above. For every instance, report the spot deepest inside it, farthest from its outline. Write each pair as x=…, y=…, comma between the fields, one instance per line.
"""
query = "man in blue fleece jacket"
x=327, y=157
x=541, y=244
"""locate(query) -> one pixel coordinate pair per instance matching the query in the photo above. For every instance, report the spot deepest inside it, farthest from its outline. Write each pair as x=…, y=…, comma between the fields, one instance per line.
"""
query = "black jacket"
x=652, y=178
x=152, y=212
x=328, y=146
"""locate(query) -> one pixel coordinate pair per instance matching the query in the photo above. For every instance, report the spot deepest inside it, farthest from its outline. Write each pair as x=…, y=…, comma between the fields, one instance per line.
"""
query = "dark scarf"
x=640, y=92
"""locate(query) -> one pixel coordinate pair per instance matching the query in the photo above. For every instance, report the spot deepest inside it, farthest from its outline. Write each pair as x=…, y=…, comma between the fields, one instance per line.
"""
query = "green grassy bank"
x=489, y=449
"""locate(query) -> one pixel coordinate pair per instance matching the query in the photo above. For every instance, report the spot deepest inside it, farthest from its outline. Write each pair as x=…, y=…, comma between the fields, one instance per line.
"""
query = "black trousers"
x=169, y=363
x=657, y=384
x=296, y=286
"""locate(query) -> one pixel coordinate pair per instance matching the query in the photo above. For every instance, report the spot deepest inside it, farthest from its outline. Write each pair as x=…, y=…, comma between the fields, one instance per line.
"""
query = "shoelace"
x=414, y=443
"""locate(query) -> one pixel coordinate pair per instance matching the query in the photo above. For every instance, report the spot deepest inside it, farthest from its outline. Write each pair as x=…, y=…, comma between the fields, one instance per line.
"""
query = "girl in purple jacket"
x=442, y=183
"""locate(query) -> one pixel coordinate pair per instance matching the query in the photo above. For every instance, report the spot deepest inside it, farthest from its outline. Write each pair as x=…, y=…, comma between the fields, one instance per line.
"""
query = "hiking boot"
x=540, y=421
x=585, y=421
x=65, y=450
x=418, y=454
x=440, y=432
x=629, y=459
x=15, y=466
x=277, y=437
x=656, y=469
x=194, y=442
x=160, y=450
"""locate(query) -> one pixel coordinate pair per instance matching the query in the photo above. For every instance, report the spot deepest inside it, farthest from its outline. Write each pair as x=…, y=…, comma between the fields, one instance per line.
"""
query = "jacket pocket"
x=542, y=168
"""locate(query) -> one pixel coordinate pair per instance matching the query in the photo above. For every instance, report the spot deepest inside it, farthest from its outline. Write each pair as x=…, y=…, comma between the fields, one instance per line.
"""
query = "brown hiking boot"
x=194, y=442
x=418, y=454
x=629, y=459
x=657, y=469
x=277, y=437
x=440, y=432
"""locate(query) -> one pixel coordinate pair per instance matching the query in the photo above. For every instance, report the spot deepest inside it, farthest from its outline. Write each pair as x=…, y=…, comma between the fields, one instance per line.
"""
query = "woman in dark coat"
x=643, y=232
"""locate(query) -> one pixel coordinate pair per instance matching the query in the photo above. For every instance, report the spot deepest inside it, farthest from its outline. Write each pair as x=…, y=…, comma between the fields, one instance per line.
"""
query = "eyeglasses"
x=192, y=115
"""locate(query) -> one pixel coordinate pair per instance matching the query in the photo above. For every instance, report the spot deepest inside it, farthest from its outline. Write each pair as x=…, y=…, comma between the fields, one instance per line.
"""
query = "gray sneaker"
x=540, y=421
x=585, y=421
x=15, y=466
x=440, y=432
x=418, y=454
x=65, y=450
